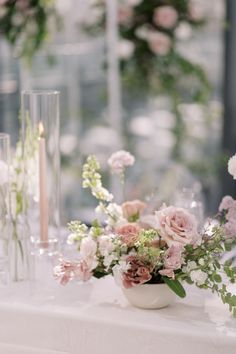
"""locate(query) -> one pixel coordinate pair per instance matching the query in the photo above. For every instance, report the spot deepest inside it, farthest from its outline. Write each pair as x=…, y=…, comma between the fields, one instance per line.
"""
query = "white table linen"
x=95, y=318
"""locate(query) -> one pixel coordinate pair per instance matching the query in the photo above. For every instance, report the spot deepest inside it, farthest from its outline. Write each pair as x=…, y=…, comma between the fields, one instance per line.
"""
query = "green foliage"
x=175, y=286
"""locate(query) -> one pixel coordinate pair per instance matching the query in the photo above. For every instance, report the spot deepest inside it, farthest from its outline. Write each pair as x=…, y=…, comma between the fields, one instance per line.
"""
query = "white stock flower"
x=3, y=173
x=232, y=166
x=88, y=248
x=109, y=259
x=125, y=49
x=198, y=276
x=106, y=245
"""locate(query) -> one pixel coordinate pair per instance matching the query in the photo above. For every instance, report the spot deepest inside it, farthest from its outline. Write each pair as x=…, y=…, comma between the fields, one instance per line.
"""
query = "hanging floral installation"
x=149, y=55
x=27, y=24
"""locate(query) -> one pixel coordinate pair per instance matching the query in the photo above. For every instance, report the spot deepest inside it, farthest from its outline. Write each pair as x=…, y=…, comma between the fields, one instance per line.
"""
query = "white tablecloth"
x=95, y=318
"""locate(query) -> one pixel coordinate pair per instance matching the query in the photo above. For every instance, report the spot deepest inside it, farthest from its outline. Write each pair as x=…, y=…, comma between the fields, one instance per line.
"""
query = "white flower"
x=201, y=261
x=71, y=239
x=125, y=49
x=17, y=19
x=183, y=31
x=3, y=11
x=88, y=248
x=142, y=32
x=3, y=173
x=109, y=259
x=198, y=276
x=232, y=166
x=191, y=265
x=119, y=160
x=106, y=245
x=102, y=193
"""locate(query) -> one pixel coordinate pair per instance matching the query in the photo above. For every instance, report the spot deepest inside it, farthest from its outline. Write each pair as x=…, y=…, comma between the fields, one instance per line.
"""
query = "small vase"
x=150, y=296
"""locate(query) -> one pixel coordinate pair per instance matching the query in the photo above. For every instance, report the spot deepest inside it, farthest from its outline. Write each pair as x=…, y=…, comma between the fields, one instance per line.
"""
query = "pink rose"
x=133, y=208
x=159, y=43
x=139, y=272
x=129, y=233
x=173, y=260
x=177, y=226
x=165, y=17
x=227, y=203
x=119, y=160
x=67, y=271
x=125, y=14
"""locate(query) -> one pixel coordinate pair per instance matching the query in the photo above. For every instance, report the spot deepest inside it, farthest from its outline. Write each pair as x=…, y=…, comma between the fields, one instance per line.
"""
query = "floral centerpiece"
x=163, y=247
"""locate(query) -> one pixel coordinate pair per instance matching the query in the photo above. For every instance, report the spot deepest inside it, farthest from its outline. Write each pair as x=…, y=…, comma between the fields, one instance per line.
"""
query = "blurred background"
x=155, y=77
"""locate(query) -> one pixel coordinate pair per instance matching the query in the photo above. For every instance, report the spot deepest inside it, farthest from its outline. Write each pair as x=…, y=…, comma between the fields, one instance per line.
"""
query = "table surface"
x=95, y=318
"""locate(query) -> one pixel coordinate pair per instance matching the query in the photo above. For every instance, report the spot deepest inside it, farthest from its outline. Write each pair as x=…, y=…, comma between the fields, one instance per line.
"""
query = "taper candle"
x=43, y=202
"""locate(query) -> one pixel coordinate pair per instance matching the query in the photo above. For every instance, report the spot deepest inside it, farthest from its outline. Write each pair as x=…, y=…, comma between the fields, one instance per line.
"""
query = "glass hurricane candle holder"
x=40, y=136
x=4, y=209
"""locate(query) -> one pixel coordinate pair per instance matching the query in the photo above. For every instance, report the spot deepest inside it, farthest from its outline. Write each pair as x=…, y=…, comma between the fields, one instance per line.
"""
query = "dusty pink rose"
x=159, y=43
x=165, y=17
x=67, y=271
x=139, y=272
x=173, y=260
x=129, y=233
x=177, y=226
x=227, y=203
x=133, y=208
x=119, y=160
x=125, y=14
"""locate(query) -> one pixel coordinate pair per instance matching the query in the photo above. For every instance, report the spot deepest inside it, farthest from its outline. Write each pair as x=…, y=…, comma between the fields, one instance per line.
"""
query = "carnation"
x=119, y=160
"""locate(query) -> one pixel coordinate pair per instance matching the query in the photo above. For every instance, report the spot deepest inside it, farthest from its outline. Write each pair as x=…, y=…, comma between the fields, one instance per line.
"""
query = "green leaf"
x=175, y=286
x=217, y=278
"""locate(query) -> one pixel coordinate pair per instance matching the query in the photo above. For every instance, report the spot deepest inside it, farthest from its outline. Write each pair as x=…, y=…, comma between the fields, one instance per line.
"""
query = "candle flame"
x=41, y=129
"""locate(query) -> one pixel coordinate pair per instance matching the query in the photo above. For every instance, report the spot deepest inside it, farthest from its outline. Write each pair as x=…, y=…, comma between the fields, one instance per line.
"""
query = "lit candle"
x=43, y=203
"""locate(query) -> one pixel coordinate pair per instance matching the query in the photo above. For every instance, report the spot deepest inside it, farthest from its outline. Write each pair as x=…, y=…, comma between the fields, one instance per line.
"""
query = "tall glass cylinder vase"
x=4, y=209
x=40, y=136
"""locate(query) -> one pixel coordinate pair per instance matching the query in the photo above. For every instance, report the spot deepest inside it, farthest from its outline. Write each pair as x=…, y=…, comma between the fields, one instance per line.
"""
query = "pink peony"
x=129, y=233
x=177, y=226
x=165, y=17
x=139, y=272
x=119, y=160
x=125, y=14
x=133, y=208
x=159, y=43
x=227, y=203
x=67, y=271
x=173, y=260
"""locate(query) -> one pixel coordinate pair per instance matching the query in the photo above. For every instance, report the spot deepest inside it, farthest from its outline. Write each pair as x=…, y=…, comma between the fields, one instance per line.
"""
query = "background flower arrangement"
x=163, y=246
x=150, y=59
x=26, y=24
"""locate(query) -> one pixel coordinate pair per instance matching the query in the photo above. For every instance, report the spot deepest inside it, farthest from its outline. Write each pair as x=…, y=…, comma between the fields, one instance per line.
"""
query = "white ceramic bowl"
x=150, y=296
